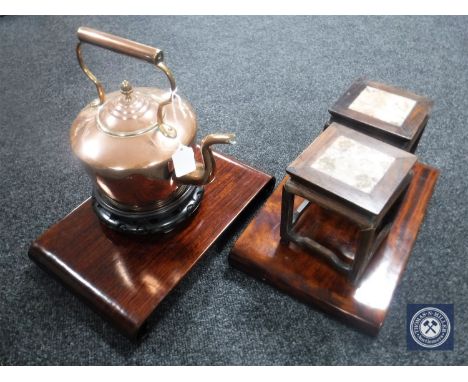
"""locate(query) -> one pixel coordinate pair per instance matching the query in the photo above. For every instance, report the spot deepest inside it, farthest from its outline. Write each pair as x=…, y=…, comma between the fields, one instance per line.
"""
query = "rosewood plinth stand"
x=125, y=277
x=311, y=278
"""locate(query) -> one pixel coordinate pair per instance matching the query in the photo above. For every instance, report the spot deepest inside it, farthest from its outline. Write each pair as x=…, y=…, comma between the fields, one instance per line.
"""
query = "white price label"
x=184, y=161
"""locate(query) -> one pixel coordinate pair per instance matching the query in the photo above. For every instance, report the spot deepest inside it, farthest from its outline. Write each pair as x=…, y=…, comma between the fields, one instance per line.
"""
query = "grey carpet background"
x=270, y=80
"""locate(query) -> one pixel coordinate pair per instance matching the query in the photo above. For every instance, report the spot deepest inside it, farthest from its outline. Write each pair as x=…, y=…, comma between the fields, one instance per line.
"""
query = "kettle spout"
x=205, y=171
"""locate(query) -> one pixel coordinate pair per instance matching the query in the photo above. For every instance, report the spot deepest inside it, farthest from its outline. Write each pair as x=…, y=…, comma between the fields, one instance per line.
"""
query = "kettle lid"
x=128, y=113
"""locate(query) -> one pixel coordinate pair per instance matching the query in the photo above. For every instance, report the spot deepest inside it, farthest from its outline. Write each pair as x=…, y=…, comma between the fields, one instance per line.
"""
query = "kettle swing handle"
x=130, y=48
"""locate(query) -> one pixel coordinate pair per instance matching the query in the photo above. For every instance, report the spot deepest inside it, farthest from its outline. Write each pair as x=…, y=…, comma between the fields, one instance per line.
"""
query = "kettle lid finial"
x=126, y=88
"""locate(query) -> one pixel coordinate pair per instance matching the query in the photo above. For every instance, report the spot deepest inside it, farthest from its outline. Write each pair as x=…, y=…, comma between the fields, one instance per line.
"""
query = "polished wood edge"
x=46, y=262
x=283, y=285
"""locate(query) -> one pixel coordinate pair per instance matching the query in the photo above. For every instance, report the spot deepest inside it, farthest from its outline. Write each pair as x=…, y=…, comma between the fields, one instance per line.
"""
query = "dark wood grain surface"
x=259, y=252
x=124, y=278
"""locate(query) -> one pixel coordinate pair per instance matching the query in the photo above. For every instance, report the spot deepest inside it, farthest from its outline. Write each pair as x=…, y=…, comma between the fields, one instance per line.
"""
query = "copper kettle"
x=129, y=140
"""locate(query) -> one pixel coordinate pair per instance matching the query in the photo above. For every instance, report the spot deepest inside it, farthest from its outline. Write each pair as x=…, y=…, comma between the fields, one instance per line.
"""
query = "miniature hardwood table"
x=385, y=112
x=355, y=176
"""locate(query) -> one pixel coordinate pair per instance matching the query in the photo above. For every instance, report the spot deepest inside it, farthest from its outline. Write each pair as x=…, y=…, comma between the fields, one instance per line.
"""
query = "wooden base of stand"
x=125, y=277
x=259, y=252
